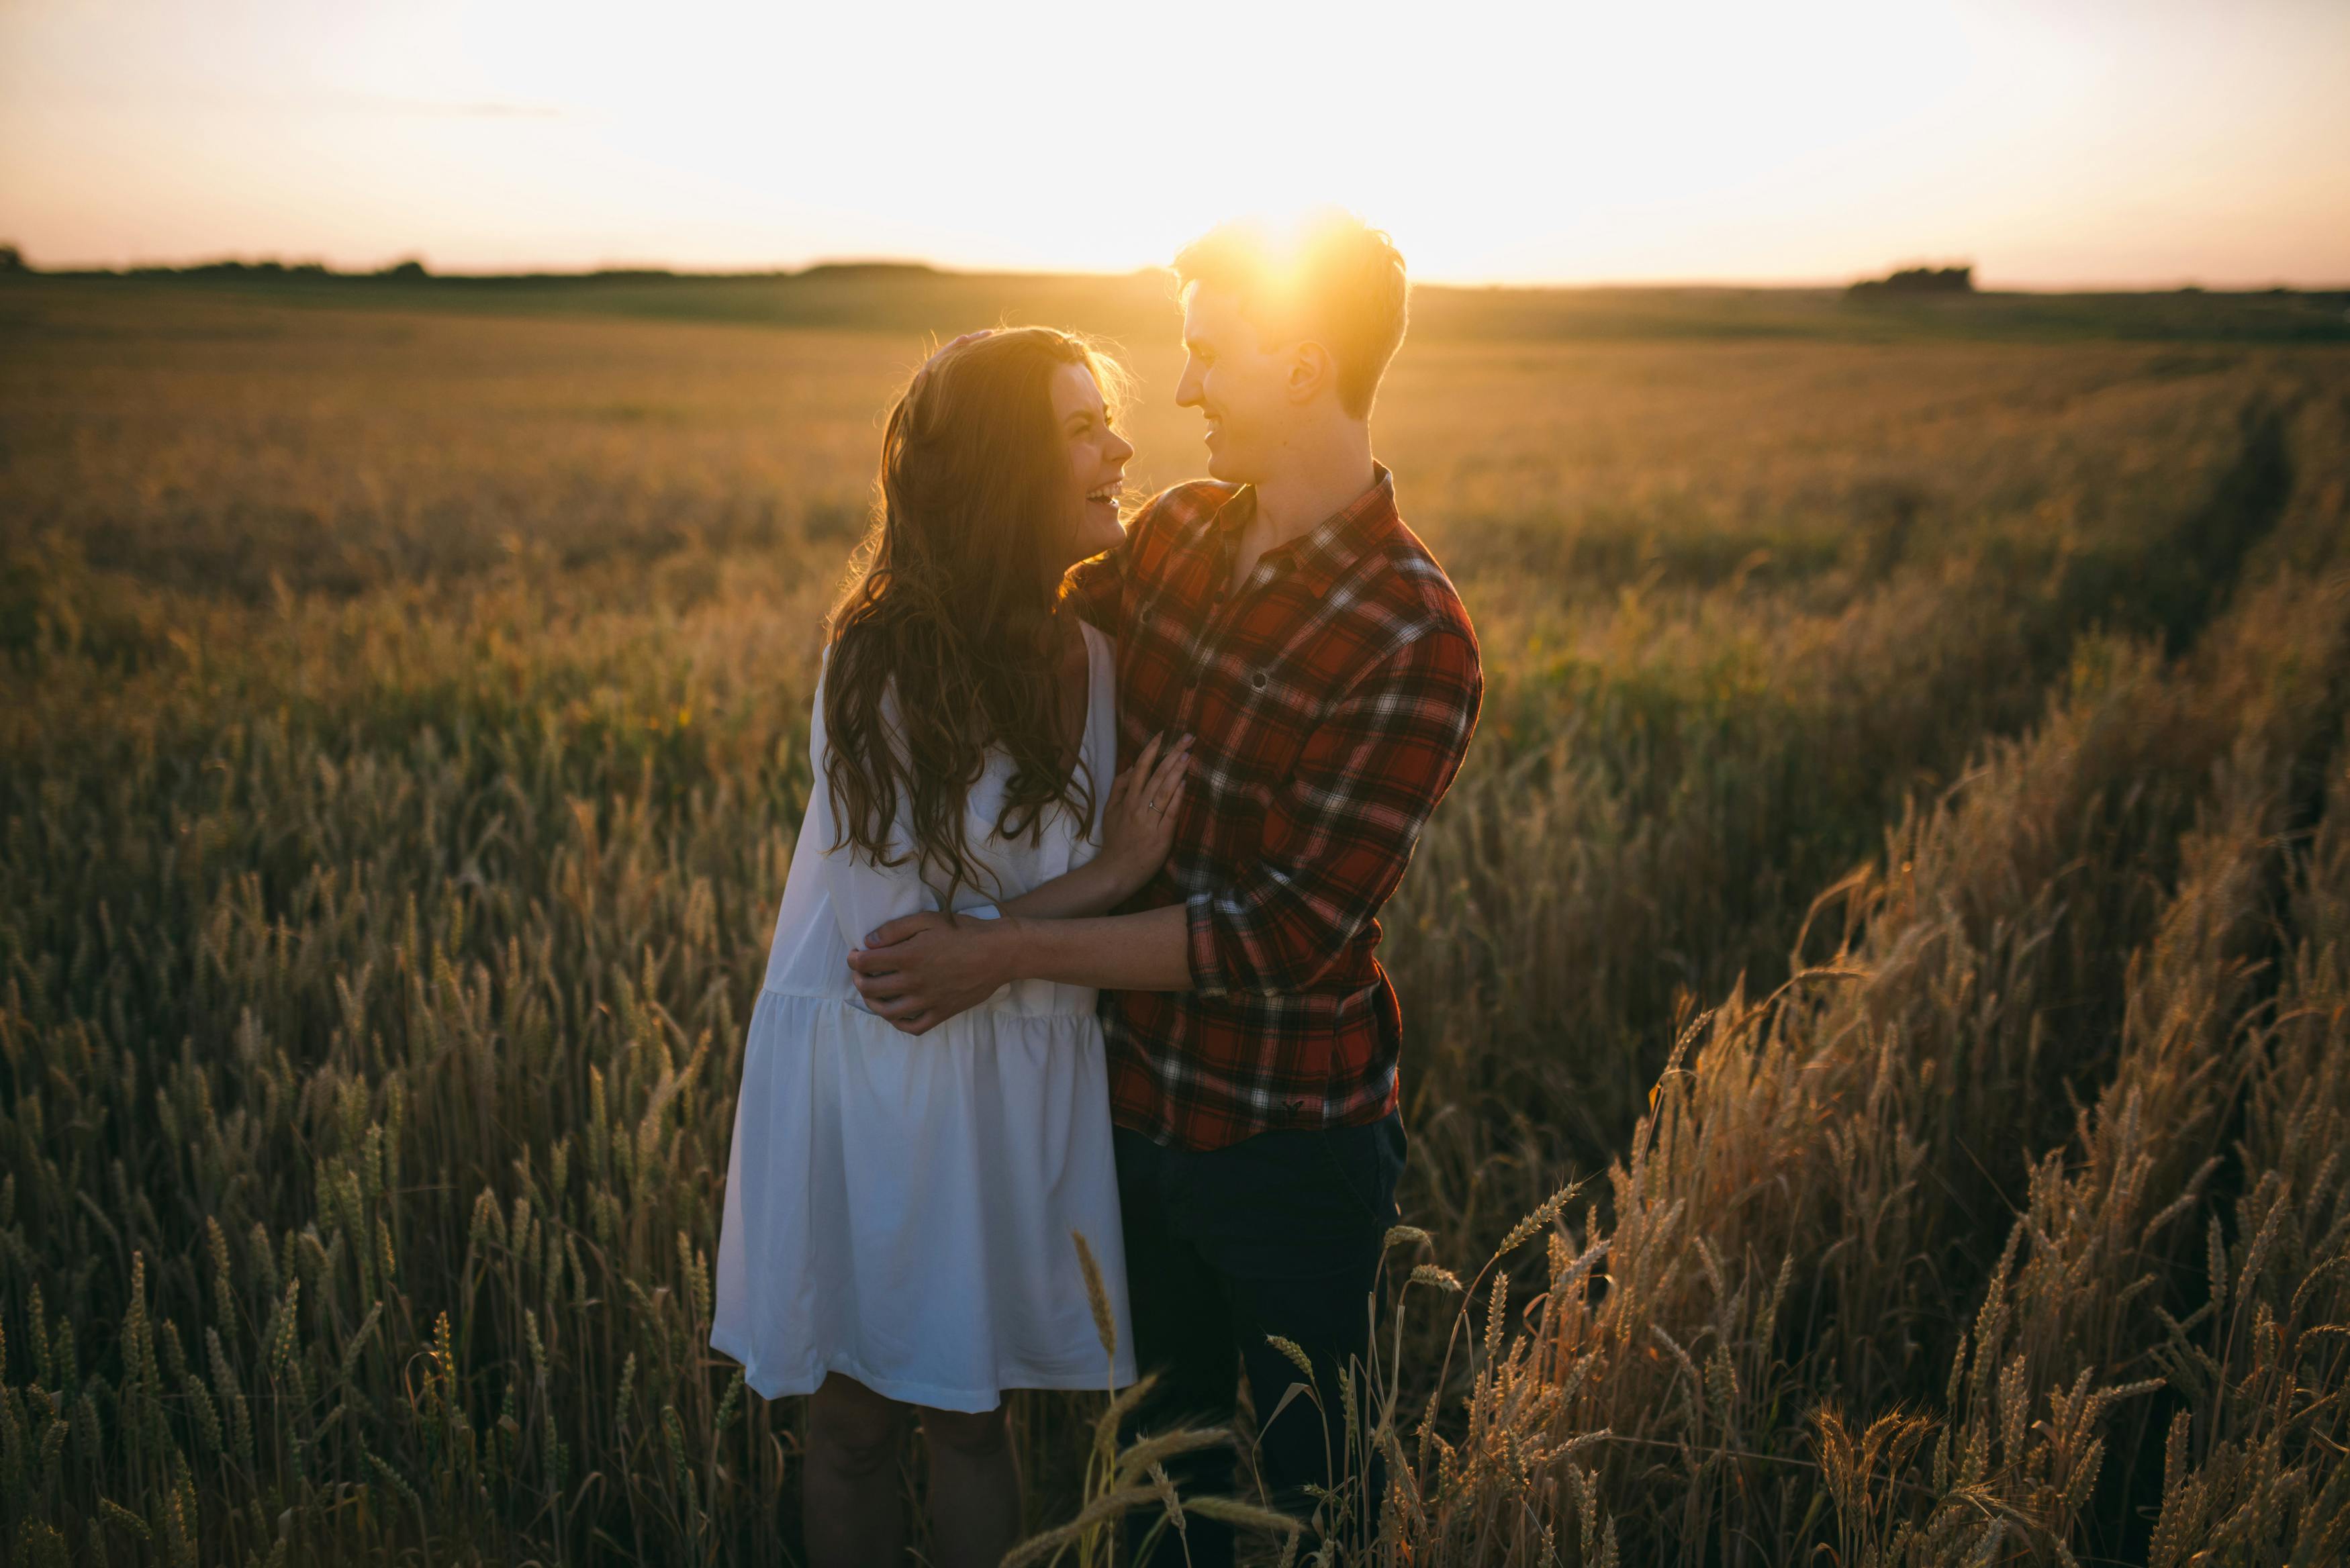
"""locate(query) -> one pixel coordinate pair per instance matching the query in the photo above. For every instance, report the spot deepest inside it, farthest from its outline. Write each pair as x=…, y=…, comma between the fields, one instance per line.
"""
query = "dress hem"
x=905, y=1391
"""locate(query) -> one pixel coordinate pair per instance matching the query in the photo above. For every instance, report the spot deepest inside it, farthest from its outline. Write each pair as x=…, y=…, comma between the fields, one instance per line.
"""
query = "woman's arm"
x=1137, y=828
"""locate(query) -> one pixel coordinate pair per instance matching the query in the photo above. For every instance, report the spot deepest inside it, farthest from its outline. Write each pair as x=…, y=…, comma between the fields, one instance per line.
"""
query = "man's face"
x=1241, y=383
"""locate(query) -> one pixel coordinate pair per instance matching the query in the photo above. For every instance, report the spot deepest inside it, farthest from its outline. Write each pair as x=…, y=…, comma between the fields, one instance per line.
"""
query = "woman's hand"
x=1138, y=818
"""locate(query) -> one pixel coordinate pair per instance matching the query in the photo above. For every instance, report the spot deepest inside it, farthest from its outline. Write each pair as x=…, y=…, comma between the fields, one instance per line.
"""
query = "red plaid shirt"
x=1331, y=697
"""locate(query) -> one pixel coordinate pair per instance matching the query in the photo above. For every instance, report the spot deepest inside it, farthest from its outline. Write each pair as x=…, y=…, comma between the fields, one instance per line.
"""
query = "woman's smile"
x=1097, y=459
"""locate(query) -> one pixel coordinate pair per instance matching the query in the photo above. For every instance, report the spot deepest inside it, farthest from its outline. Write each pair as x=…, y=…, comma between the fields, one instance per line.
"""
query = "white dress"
x=898, y=1209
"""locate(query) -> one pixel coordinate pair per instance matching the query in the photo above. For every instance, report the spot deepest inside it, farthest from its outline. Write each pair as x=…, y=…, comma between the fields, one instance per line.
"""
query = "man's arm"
x=1112, y=952
x=1340, y=829
x=920, y=971
x=1337, y=837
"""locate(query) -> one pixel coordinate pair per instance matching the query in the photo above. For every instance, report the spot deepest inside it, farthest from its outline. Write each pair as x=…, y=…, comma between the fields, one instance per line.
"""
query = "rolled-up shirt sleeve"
x=1340, y=827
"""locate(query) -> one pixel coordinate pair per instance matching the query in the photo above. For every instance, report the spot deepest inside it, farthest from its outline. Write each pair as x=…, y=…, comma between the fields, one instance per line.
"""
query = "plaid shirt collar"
x=1319, y=557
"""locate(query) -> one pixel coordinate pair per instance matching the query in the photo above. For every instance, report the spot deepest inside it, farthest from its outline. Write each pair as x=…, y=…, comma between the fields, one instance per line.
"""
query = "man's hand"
x=918, y=970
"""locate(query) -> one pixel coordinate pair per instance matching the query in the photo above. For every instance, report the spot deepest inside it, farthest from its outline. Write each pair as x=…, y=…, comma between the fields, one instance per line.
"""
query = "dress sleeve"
x=863, y=892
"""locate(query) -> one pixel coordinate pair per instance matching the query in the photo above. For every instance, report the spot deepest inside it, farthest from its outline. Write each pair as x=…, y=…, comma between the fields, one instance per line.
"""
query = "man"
x=1283, y=615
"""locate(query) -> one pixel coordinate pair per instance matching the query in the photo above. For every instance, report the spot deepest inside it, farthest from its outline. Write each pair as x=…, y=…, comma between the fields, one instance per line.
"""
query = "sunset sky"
x=2060, y=142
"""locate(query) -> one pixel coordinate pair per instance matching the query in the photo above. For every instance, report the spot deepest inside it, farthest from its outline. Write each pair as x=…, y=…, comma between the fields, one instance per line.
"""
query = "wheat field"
x=1879, y=997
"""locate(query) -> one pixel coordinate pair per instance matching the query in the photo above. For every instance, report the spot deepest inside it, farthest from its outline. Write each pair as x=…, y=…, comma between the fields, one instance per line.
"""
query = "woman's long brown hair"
x=957, y=608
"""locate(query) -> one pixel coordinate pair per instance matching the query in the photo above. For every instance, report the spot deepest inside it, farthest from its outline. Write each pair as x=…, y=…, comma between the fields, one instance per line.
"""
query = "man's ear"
x=1310, y=371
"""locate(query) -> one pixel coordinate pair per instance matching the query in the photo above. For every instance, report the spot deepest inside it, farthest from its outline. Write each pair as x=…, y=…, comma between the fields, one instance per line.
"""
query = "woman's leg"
x=975, y=1487
x=853, y=1509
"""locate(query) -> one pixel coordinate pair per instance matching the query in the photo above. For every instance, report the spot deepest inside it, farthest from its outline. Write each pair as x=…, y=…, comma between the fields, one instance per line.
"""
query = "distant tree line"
x=1920, y=280
x=413, y=270
x=409, y=270
x=12, y=260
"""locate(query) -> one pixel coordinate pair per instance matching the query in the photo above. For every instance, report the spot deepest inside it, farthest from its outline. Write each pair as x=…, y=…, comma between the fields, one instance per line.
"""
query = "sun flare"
x=1497, y=142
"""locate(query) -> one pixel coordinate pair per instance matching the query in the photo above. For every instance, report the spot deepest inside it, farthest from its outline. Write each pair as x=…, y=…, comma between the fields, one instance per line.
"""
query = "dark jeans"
x=1278, y=1234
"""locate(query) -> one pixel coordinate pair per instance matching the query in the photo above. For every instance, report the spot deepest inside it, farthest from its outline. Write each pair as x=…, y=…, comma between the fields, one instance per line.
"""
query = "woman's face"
x=1096, y=457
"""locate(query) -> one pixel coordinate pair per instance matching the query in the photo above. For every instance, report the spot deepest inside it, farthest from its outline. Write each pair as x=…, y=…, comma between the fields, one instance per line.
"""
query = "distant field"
x=408, y=688
x=902, y=298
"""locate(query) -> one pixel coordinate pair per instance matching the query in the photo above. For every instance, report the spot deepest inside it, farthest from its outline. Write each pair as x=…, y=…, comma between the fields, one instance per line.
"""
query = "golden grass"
x=1902, y=870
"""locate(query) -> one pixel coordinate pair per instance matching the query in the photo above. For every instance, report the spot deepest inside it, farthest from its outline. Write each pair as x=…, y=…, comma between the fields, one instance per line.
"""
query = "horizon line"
x=609, y=269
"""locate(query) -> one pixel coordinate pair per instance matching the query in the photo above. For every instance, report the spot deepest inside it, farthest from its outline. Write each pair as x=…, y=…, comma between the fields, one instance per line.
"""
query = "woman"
x=898, y=1209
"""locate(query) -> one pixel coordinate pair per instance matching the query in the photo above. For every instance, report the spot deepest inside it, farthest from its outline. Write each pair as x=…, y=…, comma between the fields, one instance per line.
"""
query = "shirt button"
x=1257, y=681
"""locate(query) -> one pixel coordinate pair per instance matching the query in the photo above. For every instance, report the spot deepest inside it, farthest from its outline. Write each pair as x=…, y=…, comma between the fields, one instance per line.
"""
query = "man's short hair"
x=1337, y=281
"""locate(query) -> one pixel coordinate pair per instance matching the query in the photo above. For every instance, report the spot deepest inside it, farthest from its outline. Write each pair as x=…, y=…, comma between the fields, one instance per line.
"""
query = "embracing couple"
x=1016, y=991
